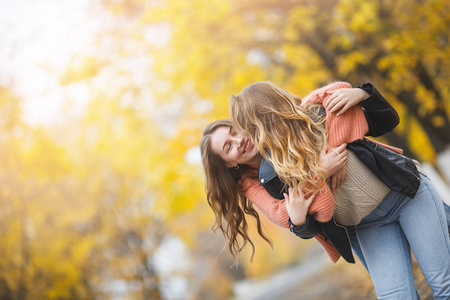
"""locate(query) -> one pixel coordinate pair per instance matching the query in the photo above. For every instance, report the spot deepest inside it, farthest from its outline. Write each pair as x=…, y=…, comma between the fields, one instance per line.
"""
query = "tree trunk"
x=439, y=136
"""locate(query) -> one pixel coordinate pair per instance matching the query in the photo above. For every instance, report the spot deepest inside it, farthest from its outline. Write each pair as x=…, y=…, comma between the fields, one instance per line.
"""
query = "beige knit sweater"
x=359, y=193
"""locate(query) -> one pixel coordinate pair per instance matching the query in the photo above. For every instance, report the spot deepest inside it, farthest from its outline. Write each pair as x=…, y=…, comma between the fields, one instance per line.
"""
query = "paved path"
x=278, y=286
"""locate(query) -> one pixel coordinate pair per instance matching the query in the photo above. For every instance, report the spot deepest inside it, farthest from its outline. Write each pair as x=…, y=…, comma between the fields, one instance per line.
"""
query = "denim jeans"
x=447, y=213
x=384, y=239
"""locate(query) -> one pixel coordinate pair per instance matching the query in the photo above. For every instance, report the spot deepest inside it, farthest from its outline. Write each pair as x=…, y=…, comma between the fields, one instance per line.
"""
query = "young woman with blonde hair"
x=393, y=205
x=231, y=167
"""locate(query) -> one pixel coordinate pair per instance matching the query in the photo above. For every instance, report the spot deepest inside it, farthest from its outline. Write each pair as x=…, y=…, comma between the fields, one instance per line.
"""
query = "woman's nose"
x=238, y=140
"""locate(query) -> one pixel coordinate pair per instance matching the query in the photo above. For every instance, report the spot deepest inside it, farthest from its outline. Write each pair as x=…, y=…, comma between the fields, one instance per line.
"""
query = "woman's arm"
x=276, y=210
x=300, y=223
x=380, y=115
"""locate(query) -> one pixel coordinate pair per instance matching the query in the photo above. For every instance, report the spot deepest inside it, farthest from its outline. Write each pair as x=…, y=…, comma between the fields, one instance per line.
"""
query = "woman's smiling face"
x=233, y=148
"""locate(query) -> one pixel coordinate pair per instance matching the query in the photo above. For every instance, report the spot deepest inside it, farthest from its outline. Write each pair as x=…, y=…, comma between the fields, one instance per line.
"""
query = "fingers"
x=312, y=197
x=340, y=148
x=337, y=182
x=336, y=105
x=344, y=109
x=343, y=155
x=333, y=184
x=286, y=197
x=342, y=159
x=342, y=100
x=300, y=193
x=295, y=194
x=338, y=178
x=342, y=177
x=292, y=197
x=335, y=102
x=333, y=96
x=340, y=153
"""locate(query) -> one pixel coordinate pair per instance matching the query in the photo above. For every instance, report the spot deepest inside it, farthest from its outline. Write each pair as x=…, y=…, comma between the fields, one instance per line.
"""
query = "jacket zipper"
x=341, y=226
x=418, y=178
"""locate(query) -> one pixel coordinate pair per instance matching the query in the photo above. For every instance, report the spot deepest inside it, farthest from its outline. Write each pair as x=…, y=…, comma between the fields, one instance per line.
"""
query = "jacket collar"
x=266, y=172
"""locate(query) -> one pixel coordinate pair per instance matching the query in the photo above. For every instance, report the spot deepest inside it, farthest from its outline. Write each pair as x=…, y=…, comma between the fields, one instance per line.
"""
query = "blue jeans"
x=447, y=212
x=383, y=239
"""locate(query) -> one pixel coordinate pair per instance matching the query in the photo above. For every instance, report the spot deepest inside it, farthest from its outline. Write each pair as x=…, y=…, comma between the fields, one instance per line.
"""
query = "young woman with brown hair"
x=231, y=167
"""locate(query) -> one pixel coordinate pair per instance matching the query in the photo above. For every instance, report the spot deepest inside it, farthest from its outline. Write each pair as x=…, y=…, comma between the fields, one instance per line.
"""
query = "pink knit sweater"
x=345, y=128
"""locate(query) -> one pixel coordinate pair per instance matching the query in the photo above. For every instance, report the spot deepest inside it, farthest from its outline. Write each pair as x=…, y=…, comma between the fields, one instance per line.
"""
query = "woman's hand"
x=341, y=100
x=333, y=160
x=338, y=178
x=297, y=205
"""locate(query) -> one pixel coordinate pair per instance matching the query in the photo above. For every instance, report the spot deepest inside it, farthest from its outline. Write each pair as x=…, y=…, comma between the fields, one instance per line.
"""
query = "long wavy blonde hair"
x=226, y=197
x=287, y=134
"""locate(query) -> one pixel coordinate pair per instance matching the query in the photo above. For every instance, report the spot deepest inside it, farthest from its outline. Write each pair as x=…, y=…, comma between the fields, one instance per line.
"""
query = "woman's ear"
x=230, y=164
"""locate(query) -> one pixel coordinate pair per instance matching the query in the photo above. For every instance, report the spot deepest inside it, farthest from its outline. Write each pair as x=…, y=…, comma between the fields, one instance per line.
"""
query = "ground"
x=345, y=281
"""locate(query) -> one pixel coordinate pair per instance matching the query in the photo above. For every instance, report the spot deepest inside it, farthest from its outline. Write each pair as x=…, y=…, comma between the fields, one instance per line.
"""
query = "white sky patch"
x=203, y=106
x=193, y=155
x=37, y=39
x=257, y=57
x=158, y=34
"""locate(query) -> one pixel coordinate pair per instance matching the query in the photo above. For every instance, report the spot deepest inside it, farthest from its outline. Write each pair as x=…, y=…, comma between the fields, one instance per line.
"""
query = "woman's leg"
x=388, y=258
x=447, y=213
x=424, y=223
x=356, y=246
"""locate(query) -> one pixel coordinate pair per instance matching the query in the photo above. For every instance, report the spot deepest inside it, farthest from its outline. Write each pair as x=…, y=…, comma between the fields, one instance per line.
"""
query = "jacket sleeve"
x=308, y=230
x=380, y=115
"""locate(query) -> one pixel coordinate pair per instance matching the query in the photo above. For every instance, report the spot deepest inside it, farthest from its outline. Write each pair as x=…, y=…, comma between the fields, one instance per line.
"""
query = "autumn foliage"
x=86, y=203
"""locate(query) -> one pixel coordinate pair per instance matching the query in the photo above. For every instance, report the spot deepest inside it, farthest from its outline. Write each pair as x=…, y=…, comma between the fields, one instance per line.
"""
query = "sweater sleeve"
x=321, y=208
x=345, y=128
x=273, y=209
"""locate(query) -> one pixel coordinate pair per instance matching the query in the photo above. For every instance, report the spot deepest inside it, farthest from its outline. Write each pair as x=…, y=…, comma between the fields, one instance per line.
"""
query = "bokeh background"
x=102, y=105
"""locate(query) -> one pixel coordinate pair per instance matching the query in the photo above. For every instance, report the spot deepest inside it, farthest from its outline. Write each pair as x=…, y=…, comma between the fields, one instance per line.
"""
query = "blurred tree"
x=217, y=47
x=45, y=253
x=122, y=150
x=78, y=204
x=86, y=204
x=202, y=51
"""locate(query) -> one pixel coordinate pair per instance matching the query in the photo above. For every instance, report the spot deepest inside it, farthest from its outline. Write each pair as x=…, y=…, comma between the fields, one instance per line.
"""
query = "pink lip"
x=250, y=146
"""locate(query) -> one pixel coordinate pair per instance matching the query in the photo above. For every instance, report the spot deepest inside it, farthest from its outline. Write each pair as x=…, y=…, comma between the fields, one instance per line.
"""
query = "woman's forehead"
x=219, y=137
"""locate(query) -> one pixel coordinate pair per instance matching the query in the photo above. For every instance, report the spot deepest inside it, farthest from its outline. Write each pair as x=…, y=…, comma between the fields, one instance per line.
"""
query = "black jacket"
x=398, y=172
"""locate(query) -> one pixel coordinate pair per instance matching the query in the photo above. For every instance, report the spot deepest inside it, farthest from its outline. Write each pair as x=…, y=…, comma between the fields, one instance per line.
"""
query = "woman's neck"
x=255, y=162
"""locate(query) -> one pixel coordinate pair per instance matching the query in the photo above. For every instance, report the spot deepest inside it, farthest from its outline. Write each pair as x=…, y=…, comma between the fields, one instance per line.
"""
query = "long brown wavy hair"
x=293, y=134
x=225, y=195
